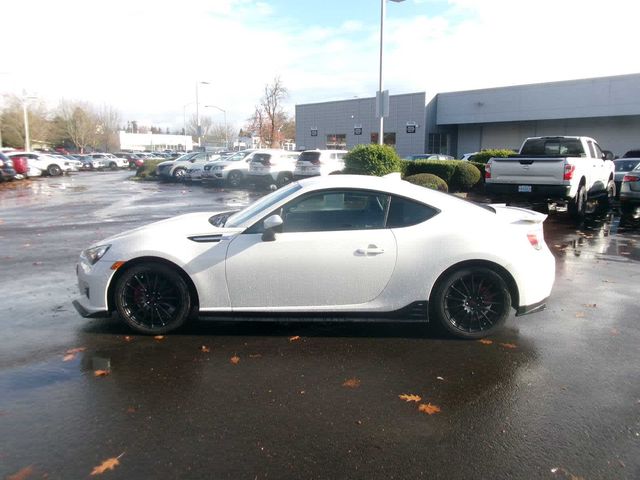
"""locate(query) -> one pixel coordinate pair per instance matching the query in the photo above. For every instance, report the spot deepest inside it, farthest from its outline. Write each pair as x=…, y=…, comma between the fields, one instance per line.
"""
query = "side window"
x=599, y=153
x=336, y=210
x=591, y=150
x=405, y=213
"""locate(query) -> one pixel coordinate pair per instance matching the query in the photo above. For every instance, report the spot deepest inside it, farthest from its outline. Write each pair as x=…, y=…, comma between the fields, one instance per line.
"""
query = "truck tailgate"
x=530, y=170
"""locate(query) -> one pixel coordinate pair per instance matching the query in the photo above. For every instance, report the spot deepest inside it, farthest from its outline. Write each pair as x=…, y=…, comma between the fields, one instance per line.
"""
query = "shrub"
x=465, y=177
x=372, y=160
x=428, y=180
x=149, y=169
x=441, y=168
x=485, y=155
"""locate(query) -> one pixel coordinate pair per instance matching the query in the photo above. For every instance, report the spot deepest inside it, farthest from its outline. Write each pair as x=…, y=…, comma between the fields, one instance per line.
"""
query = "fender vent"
x=205, y=238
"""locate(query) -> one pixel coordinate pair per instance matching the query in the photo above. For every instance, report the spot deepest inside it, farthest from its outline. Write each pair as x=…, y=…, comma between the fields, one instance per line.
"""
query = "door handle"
x=371, y=250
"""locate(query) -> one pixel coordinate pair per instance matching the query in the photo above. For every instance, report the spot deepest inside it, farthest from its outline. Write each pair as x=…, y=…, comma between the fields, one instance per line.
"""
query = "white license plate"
x=524, y=188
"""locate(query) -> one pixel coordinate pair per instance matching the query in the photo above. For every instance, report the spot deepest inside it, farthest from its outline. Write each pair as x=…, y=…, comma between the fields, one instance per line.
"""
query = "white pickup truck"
x=565, y=171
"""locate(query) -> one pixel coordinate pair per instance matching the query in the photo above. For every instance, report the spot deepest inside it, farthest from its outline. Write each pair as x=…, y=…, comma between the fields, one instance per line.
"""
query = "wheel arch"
x=500, y=270
x=150, y=259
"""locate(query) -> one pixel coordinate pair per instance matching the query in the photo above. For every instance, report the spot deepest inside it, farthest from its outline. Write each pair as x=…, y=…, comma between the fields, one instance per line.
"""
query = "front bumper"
x=83, y=311
x=533, y=308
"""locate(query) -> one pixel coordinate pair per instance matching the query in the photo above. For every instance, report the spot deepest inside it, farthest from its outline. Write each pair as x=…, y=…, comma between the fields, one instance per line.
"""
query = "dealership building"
x=454, y=123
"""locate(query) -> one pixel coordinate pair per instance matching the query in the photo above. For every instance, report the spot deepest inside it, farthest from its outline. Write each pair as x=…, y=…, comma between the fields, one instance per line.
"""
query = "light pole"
x=25, y=114
x=379, y=97
x=226, y=131
x=198, y=127
x=184, y=122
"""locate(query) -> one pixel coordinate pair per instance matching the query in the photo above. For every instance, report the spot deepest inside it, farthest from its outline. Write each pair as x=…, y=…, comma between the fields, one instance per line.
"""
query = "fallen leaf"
x=351, y=383
x=108, y=464
x=76, y=350
x=159, y=337
x=410, y=397
x=580, y=315
x=590, y=305
x=22, y=474
x=131, y=410
x=127, y=338
x=68, y=357
x=485, y=341
x=205, y=349
x=101, y=373
x=294, y=338
x=235, y=359
x=428, y=408
x=508, y=345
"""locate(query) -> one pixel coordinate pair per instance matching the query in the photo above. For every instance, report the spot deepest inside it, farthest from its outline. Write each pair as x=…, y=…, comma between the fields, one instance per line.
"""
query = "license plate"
x=524, y=188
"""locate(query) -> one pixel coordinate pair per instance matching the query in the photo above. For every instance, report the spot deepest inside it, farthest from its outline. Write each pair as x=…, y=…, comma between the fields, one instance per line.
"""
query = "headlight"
x=217, y=168
x=92, y=255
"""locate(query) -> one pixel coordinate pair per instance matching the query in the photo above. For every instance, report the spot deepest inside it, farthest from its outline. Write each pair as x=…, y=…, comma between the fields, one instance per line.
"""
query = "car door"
x=333, y=251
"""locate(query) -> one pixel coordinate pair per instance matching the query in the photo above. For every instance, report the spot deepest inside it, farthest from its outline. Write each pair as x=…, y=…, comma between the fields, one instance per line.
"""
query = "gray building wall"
x=340, y=117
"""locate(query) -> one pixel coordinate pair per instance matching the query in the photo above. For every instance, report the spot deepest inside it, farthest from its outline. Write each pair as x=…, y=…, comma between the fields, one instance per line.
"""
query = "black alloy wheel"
x=179, y=173
x=152, y=298
x=234, y=179
x=471, y=302
x=54, y=170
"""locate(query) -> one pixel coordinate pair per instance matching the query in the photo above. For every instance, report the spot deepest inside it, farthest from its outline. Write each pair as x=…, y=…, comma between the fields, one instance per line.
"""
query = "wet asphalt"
x=554, y=395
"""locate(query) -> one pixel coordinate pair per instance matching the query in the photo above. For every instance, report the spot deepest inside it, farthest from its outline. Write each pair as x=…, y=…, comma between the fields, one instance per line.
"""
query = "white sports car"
x=336, y=245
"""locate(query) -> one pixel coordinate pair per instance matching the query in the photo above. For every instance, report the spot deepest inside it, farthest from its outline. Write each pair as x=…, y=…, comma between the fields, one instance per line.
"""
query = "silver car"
x=231, y=171
x=630, y=191
x=623, y=165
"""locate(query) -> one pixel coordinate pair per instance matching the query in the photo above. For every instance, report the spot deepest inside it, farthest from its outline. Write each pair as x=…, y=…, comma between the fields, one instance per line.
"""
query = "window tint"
x=335, y=210
x=404, y=213
x=568, y=147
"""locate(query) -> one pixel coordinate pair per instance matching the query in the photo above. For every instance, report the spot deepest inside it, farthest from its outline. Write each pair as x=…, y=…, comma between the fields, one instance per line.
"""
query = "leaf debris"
x=108, y=464
x=428, y=408
x=100, y=373
x=351, y=383
x=508, y=345
x=410, y=397
x=22, y=474
x=485, y=341
x=294, y=338
x=235, y=359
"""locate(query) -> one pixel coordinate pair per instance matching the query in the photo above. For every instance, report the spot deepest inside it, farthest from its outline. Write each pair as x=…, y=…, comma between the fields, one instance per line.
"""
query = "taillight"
x=568, y=172
x=487, y=171
x=631, y=178
x=315, y=161
x=533, y=240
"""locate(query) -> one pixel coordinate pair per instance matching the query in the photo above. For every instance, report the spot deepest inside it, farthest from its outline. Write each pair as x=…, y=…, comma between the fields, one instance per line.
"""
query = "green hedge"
x=428, y=180
x=372, y=160
x=149, y=169
x=479, y=166
x=485, y=155
x=465, y=177
x=459, y=175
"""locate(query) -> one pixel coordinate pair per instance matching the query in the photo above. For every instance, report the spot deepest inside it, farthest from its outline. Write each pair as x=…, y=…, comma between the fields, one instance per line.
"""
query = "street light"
x=199, y=128
x=379, y=97
x=226, y=139
x=25, y=114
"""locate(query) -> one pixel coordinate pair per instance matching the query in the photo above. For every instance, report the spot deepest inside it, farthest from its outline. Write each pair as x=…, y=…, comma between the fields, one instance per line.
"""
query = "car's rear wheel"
x=578, y=206
x=284, y=178
x=113, y=166
x=234, y=179
x=471, y=302
x=54, y=170
x=152, y=298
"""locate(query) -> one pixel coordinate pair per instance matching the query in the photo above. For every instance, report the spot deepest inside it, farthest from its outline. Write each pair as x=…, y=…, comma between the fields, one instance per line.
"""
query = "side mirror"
x=270, y=224
x=607, y=155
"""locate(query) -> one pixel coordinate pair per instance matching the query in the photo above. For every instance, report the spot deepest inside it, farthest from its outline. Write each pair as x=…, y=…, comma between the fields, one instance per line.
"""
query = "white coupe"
x=338, y=245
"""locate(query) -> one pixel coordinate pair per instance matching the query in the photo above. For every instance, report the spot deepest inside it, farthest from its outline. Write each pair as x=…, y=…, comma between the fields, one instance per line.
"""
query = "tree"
x=222, y=134
x=269, y=118
x=79, y=122
x=206, y=125
x=12, y=122
x=108, y=120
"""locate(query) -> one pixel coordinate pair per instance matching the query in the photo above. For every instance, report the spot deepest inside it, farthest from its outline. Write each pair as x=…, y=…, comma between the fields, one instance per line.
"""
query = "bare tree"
x=80, y=123
x=222, y=134
x=271, y=104
x=108, y=124
x=257, y=126
x=12, y=122
x=206, y=125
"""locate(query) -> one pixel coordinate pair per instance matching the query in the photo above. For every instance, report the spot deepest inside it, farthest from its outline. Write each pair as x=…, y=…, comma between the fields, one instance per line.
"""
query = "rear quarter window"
x=405, y=213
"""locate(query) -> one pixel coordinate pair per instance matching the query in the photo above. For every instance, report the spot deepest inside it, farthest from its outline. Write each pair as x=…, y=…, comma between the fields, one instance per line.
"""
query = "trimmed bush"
x=372, y=160
x=485, y=155
x=149, y=169
x=428, y=180
x=465, y=177
x=441, y=168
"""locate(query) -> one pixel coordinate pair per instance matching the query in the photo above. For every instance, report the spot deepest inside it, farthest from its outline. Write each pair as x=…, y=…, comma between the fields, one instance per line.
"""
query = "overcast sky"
x=144, y=56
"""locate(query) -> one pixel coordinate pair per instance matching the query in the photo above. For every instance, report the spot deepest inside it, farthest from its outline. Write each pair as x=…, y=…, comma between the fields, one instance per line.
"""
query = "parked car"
x=630, y=191
x=90, y=163
x=429, y=156
x=319, y=162
x=566, y=171
x=470, y=157
x=272, y=167
x=231, y=171
x=632, y=154
x=344, y=244
x=175, y=169
x=135, y=160
x=7, y=173
x=193, y=173
x=110, y=161
x=622, y=166
x=49, y=164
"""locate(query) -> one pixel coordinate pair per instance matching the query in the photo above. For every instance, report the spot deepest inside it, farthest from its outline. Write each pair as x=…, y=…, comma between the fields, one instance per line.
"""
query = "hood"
x=168, y=162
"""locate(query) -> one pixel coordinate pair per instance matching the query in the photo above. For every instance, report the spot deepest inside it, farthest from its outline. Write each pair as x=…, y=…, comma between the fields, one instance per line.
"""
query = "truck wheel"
x=606, y=202
x=578, y=206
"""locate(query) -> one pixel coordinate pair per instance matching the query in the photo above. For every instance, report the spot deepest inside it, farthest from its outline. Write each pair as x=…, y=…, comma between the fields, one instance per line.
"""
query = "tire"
x=578, y=206
x=179, y=173
x=234, y=179
x=284, y=178
x=152, y=298
x=54, y=170
x=471, y=302
x=606, y=202
x=113, y=166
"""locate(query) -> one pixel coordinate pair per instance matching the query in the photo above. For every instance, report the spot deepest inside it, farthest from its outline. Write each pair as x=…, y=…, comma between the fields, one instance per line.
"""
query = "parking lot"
x=554, y=395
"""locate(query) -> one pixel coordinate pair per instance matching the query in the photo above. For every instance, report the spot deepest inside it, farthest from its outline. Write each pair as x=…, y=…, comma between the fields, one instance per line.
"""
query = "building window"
x=389, y=138
x=337, y=141
x=438, y=143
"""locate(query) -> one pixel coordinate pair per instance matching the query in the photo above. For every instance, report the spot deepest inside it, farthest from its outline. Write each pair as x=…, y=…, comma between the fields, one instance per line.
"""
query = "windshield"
x=261, y=205
x=312, y=157
x=185, y=157
x=236, y=156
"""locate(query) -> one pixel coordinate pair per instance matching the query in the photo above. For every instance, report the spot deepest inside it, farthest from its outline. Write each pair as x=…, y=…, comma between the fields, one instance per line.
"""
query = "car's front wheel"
x=234, y=179
x=152, y=298
x=471, y=302
x=54, y=170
